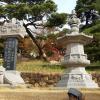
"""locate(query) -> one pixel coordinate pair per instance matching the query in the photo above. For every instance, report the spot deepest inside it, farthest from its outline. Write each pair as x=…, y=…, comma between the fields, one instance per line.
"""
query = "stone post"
x=2, y=74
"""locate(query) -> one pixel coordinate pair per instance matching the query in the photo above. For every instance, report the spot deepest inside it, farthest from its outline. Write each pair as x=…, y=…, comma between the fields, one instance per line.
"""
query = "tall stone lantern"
x=75, y=60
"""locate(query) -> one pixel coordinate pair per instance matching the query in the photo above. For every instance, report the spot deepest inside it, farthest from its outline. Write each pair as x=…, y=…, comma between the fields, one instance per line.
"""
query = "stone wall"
x=41, y=80
x=96, y=78
x=48, y=80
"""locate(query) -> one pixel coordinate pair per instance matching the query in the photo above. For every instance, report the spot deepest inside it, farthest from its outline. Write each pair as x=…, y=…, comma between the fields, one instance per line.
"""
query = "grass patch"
x=38, y=66
x=94, y=67
x=95, y=64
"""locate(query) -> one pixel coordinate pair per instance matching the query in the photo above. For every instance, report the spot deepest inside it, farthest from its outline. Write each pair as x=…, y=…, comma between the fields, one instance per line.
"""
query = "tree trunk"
x=41, y=52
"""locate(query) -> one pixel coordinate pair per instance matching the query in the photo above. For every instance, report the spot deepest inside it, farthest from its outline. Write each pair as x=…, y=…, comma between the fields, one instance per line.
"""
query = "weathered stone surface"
x=75, y=59
x=13, y=78
x=2, y=69
x=12, y=30
x=10, y=53
x=77, y=78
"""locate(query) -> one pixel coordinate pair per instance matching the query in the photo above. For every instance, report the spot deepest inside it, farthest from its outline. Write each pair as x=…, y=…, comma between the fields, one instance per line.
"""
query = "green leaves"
x=86, y=6
x=43, y=8
x=10, y=10
x=7, y=1
x=94, y=29
x=20, y=10
x=1, y=10
x=93, y=49
x=97, y=5
x=57, y=19
x=50, y=6
x=36, y=9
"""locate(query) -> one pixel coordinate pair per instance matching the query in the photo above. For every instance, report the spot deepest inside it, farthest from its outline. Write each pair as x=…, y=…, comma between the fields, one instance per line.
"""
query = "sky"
x=65, y=6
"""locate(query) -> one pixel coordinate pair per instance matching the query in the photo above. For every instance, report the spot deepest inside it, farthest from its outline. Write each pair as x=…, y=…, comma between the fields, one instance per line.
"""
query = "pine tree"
x=90, y=10
x=33, y=11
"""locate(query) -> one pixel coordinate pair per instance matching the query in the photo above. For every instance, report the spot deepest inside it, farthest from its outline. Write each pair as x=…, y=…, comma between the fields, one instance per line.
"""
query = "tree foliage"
x=26, y=46
x=57, y=19
x=36, y=10
x=90, y=10
x=33, y=11
x=87, y=10
x=22, y=1
x=93, y=49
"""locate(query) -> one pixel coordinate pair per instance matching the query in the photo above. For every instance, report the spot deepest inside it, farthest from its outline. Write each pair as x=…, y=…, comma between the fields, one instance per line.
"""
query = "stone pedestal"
x=2, y=74
x=76, y=78
x=13, y=77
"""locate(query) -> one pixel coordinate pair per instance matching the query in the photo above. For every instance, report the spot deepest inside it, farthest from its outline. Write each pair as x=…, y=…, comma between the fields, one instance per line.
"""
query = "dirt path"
x=43, y=94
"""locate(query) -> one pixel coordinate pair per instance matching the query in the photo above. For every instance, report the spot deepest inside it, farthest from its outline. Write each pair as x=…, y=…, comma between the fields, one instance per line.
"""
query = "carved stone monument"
x=75, y=59
x=11, y=32
x=10, y=53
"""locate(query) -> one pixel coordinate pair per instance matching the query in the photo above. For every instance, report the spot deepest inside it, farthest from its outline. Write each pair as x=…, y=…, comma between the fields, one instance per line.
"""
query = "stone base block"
x=76, y=78
x=13, y=78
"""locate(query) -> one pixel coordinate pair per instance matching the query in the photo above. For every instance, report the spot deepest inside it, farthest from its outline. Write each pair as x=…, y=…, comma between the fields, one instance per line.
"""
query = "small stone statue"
x=74, y=94
x=74, y=19
x=74, y=23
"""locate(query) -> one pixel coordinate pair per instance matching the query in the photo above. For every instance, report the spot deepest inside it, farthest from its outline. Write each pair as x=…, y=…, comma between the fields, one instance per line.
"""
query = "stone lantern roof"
x=12, y=30
x=71, y=38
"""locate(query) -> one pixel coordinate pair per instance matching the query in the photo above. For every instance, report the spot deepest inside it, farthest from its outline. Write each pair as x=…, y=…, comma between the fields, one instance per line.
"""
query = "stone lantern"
x=75, y=60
